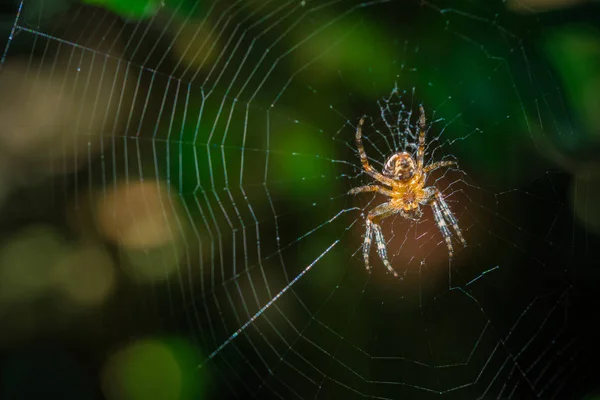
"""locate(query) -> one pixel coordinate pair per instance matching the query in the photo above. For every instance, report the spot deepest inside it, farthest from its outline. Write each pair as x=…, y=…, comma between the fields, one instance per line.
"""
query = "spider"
x=404, y=177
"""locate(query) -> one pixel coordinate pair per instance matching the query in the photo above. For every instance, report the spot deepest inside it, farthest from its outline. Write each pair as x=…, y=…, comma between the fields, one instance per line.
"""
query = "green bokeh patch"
x=135, y=9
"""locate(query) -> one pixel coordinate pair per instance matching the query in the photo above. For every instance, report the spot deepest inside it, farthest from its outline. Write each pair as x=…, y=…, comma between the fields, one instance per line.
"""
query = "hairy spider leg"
x=449, y=216
x=443, y=227
x=373, y=228
x=439, y=164
x=363, y=158
x=371, y=188
x=422, y=129
x=367, y=244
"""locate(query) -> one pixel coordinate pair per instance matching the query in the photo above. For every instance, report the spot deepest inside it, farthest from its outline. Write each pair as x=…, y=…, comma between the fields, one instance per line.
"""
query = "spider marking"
x=404, y=181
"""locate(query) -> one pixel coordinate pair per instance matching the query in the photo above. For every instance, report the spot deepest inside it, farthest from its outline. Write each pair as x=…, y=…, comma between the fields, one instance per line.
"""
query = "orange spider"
x=404, y=179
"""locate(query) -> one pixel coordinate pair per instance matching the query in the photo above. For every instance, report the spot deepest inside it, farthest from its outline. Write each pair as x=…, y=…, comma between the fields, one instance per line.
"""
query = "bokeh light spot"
x=86, y=276
x=585, y=195
x=145, y=370
x=137, y=9
x=137, y=216
x=26, y=264
x=143, y=220
x=154, y=369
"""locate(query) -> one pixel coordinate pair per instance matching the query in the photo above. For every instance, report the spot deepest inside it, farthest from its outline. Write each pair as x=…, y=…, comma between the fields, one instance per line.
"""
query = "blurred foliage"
x=575, y=52
x=135, y=9
x=142, y=9
x=298, y=166
x=154, y=369
x=359, y=45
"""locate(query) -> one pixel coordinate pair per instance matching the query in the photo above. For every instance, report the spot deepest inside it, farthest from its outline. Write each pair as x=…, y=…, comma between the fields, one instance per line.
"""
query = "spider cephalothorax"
x=404, y=176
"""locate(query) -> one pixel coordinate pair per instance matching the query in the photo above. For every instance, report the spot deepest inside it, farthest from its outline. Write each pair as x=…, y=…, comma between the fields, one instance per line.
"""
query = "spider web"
x=252, y=132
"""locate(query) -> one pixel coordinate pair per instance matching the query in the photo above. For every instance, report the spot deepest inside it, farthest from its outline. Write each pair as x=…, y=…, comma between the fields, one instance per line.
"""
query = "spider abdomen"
x=400, y=166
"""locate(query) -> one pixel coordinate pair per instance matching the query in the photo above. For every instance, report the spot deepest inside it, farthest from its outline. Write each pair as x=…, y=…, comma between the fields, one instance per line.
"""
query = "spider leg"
x=367, y=244
x=374, y=229
x=439, y=164
x=371, y=188
x=365, y=161
x=422, y=130
x=443, y=227
x=449, y=216
x=382, y=249
x=443, y=216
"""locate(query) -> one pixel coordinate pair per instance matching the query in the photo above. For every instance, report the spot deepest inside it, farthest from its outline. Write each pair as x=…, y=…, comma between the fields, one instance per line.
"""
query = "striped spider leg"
x=444, y=217
x=374, y=229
